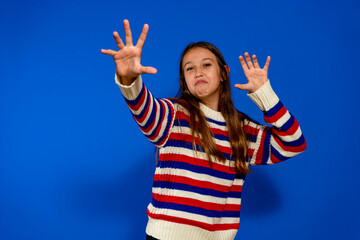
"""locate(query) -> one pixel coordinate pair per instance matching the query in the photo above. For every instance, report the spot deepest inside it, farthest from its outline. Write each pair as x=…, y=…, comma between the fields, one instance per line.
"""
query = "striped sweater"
x=192, y=197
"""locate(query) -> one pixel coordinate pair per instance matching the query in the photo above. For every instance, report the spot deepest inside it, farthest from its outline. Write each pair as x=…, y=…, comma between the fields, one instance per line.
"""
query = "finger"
x=128, y=36
x=256, y=63
x=248, y=60
x=149, y=70
x=108, y=52
x=243, y=63
x=266, y=66
x=118, y=40
x=142, y=38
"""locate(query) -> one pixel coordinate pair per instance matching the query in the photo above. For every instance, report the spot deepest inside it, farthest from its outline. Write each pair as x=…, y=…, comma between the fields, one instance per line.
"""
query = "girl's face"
x=202, y=75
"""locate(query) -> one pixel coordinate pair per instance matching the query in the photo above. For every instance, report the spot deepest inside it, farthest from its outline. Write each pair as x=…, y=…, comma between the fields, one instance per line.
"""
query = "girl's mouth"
x=200, y=82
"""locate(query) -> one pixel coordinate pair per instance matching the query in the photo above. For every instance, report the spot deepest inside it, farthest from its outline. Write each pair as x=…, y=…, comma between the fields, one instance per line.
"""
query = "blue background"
x=74, y=165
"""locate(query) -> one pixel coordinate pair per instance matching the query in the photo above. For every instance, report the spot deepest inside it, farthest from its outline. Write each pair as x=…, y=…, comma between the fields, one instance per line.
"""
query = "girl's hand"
x=254, y=74
x=127, y=59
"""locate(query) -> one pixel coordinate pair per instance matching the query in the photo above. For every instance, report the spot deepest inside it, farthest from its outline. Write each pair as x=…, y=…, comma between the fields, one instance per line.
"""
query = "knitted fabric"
x=192, y=197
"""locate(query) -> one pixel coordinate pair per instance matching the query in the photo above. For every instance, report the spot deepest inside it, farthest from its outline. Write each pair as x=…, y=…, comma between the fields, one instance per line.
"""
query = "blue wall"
x=74, y=165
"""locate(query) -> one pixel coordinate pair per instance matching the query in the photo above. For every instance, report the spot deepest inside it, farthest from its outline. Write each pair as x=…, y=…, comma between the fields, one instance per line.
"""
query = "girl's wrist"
x=126, y=80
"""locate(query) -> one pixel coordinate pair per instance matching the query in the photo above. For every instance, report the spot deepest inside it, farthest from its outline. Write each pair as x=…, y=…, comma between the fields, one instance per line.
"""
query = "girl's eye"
x=189, y=68
x=207, y=64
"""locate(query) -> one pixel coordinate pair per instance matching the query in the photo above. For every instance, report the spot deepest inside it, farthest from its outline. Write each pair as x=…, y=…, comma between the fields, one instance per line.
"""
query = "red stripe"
x=219, y=132
x=247, y=128
x=169, y=124
x=197, y=183
x=285, y=148
x=140, y=120
x=260, y=151
x=146, y=130
x=250, y=152
x=276, y=116
x=251, y=130
x=196, y=203
x=274, y=159
x=206, y=226
x=181, y=115
x=141, y=100
x=288, y=132
x=161, y=123
x=188, y=138
x=197, y=162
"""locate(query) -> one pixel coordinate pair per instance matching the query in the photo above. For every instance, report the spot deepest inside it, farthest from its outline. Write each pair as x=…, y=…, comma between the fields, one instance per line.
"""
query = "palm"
x=127, y=59
x=255, y=75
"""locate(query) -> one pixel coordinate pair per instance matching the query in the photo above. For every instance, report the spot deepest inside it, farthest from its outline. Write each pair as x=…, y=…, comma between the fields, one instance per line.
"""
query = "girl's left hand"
x=255, y=75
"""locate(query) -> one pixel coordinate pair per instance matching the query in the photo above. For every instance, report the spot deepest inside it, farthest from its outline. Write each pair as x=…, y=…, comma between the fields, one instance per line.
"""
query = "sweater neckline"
x=210, y=113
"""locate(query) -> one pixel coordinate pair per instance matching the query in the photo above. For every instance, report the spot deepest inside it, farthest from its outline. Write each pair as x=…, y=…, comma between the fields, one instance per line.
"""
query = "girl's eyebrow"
x=201, y=60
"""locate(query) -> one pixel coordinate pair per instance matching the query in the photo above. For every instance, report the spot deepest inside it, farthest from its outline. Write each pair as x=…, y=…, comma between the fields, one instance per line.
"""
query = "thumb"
x=148, y=70
x=242, y=86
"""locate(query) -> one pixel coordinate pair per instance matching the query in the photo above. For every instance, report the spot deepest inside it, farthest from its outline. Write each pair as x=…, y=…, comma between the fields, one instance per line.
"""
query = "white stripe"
x=187, y=130
x=157, y=123
x=196, y=196
x=294, y=137
x=191, y=153
x=176, y=231
x=282, y=151
x=280, y=122
x=217, y=126
x=137, y=112
x=193, y=175
x=192, y=216
x=157, y=116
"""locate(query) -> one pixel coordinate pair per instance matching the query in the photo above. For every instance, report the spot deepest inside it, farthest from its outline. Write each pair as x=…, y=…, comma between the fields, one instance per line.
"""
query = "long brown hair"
x=234, y=120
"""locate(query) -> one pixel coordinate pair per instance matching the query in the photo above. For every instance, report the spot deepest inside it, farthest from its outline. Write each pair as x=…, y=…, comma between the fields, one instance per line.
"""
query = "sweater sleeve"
x=154, y=116
x=269, y=145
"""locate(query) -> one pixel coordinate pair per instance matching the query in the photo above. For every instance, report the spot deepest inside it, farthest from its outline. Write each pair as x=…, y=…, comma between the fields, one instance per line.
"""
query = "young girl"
x=205, y=145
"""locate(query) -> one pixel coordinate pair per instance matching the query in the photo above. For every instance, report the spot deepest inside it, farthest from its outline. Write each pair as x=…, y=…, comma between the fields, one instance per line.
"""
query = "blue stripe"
x=240, y=176
x=188, y=145
x=216, y=122
x=235, y=194
x=271, y=112
x=295, y=143
x=169, y=118
x=152, y=119
x=137, y=99
x=197, y=169
x=181, y=123
x=141, y=114
x=221, y=137
x=288, y=124
x=251, y=138
x=195, y=210
x=184, y=123
x=278, y=155
x=189, y=188
x=266, y=149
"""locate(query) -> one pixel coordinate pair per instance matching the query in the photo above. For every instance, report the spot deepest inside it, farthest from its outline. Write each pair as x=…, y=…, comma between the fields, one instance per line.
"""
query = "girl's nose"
x=198, y=73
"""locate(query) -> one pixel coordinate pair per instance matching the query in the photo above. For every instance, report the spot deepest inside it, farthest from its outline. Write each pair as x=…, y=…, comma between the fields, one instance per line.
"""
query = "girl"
x=205, y=145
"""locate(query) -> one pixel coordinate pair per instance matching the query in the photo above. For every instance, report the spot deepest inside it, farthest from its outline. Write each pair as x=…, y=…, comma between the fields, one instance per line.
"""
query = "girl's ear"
x=227, y=69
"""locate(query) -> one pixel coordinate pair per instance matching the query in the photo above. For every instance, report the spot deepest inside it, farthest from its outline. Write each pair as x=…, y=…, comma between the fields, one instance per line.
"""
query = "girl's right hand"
x=127, y=59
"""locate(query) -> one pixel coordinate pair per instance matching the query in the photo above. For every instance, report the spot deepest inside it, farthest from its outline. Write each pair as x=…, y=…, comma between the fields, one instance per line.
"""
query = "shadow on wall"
x=260, y=195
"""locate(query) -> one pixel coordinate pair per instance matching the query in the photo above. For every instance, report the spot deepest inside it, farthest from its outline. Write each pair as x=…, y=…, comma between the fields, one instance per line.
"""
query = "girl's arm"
x=154, y=116
x=268, y=145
